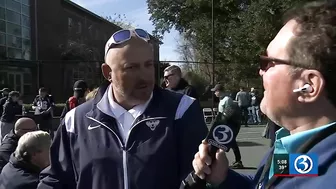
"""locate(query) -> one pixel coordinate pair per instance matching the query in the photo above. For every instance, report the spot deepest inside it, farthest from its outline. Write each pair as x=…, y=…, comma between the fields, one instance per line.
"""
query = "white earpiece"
x=306, y=89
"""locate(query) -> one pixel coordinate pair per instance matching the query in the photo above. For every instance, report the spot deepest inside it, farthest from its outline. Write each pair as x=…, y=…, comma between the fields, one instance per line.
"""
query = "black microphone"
x=220, y=136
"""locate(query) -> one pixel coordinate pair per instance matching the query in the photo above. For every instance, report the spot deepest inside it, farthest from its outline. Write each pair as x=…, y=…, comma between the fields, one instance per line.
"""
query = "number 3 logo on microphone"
x=222, y=134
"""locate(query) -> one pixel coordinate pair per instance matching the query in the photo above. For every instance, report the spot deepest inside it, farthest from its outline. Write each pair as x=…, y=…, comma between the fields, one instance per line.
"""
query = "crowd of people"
x=130, y=133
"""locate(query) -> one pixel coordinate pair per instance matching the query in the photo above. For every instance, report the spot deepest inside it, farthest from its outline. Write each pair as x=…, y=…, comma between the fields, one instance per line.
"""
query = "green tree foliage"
x=243, y=29
x=195, y=79
x=121, y=21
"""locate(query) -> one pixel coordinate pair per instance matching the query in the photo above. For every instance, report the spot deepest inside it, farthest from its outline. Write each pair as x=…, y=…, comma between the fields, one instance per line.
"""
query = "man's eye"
x=129, y=67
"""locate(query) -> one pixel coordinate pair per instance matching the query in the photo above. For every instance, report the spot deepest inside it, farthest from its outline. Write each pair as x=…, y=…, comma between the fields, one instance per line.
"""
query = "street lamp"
x=213, y=50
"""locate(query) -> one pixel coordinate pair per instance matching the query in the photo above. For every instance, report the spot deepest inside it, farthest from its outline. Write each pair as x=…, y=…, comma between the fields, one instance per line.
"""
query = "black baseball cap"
x=218, y=87
x=80, y=85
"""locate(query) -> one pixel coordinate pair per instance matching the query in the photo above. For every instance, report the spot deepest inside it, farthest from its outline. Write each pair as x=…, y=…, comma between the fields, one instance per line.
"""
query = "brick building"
x=43, y=46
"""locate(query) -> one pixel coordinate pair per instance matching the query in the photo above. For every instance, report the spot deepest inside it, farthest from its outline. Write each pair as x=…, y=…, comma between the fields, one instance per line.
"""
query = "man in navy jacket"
x=132, y=135
x=298, y=75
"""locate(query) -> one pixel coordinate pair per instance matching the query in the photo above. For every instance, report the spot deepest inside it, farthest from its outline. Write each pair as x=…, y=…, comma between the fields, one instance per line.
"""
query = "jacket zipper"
x=124, y=146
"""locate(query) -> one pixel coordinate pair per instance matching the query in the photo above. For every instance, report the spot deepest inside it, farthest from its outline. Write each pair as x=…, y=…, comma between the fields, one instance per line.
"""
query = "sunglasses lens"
x=142, y=33
x=122, y=36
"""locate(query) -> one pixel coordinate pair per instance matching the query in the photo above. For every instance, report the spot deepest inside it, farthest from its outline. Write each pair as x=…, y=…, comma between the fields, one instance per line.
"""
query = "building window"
x=27, y=83
x=25, y=10
x=25, y=32
x=26, y=49
x=13, y=29
x=13, y=41
x=2, y=26
x=3, y=52
x=2, y=39
x=13, y=5
x=79, y=28
x=25, y=2
x=15, y=24
x=70, y=23
x=3, y=78
x=14, y=53
x=15, y=80
x=2, y=13
x=26, y=55
x=13, y=17
x=25, y=21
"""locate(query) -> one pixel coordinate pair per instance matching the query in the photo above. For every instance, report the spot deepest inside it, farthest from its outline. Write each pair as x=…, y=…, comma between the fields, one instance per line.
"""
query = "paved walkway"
x=252, y=146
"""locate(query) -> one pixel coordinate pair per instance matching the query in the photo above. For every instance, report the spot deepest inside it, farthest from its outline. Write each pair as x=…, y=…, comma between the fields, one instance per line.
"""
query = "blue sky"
x=136, y=12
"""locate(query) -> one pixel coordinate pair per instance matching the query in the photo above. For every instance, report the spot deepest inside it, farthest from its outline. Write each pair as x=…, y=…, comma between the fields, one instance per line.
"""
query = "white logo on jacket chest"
x=152, y=124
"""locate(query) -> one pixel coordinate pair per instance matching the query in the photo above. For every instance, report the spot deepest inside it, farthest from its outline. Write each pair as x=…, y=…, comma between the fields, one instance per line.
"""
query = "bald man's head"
x=24, y=125
x=130, y=68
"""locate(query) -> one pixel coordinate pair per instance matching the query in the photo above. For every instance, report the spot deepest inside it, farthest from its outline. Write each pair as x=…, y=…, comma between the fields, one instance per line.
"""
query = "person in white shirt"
x=224, y=103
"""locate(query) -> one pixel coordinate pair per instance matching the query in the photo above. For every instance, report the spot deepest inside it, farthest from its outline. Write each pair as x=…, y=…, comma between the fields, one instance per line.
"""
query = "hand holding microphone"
x=213, y=171
x=210, y=162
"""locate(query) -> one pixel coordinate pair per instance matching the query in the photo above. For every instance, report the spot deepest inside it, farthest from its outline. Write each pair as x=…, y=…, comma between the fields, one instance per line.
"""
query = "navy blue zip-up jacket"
x=10, y=110
x=326, y=151
x=88, y=152
x=19, y=174
x=7, y=147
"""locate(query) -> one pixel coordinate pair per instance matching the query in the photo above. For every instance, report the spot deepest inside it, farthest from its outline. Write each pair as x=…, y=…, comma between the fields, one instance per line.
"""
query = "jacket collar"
x=12, y=135
x=22, y=164
x=108, y=106
x=152, y=108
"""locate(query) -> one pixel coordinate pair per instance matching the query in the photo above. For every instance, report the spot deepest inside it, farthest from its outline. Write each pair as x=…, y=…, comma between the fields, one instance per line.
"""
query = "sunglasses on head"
x=265, y=62
x=122, y=36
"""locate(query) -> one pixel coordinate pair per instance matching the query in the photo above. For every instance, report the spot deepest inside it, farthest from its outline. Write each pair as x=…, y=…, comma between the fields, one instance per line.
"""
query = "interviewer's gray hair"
x=32, y=142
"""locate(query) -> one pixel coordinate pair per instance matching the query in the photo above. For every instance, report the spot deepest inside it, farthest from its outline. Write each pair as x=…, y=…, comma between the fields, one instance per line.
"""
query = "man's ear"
x=106, y=70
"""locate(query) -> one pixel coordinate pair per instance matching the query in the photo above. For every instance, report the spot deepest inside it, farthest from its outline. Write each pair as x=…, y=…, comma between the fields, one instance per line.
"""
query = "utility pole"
x=213, y=51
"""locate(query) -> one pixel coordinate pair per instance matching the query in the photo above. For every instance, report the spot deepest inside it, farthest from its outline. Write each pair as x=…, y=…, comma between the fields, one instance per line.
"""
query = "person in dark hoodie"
x=4, y=97
x=80, y=89
x=31, y=156
x=298, y=74
x=175, y=82
x=10, y=109
x=10, y=141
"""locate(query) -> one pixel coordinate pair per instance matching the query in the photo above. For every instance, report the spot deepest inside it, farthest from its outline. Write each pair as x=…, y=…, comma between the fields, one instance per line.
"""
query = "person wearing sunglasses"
x=132, y=134
x=174, y=81
x=298, y=75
